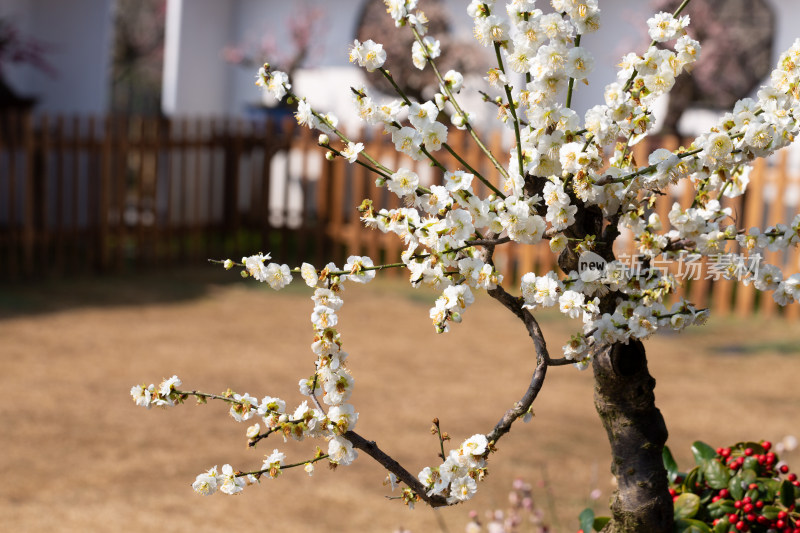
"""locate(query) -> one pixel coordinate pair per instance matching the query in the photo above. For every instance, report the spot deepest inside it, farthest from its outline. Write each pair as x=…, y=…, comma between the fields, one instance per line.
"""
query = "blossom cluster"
x=331, y=380
x=568, y=180
x=556, y=168
x=456, y=478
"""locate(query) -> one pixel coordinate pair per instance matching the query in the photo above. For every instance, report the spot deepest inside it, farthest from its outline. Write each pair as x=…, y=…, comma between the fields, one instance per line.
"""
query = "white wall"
x=79, y=35
x=195, y=80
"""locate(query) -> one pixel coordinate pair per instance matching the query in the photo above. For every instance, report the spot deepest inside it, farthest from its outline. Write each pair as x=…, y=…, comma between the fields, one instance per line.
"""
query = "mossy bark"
x=625, y=401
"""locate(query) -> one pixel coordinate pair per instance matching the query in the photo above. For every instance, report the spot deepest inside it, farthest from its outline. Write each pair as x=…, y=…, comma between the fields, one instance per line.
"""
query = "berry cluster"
x=744, y=487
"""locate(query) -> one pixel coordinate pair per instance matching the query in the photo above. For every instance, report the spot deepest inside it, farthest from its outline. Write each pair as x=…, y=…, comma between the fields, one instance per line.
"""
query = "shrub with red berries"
x=744, y=487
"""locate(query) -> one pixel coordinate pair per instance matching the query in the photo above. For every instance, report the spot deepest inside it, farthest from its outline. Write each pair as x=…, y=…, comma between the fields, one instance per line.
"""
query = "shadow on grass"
x=779, y=347
x=51, y=295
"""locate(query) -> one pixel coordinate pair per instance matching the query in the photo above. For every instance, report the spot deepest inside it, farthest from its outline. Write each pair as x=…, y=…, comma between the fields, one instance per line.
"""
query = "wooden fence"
x=102, y=195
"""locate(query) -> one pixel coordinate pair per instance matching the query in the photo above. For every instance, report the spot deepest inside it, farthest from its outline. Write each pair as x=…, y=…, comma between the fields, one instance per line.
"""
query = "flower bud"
x=324, y=140
x=228, y=264
x=330, y=156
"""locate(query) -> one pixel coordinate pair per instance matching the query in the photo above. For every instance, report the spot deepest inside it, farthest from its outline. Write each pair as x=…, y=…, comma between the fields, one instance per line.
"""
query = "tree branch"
x=371, y=448
x=543, y=357
x=521, y=407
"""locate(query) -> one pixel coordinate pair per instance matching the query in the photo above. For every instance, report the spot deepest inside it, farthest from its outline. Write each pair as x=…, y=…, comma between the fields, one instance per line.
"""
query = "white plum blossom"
x=453, y=80
x=421, y=53
x=352, y=150
x=368, y=54
x=255, y=266
x=309, y=274
x=408, y=141
x=359, y=269
x=422, y=115
x=403, y=182
x=665, y=27
x=228, y=482
x=340, y=451
x=206, y=483
x=277, y=276
x=274, y=82
x=142, y=395
x=244, y=407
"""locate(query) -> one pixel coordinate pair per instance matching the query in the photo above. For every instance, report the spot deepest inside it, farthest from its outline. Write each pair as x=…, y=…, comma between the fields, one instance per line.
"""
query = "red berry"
x=747, y=498
x=737, y=504
x=724, y=493
x=748, y=451
x=719, y=451
x=673, y=492
x=752, y=486
x=732, y=518
x=781, y=515
x=779, y=524
x=751, y=517
x=792, y=477
x=784, y=469
x=725, y=452
x=715, y=499
x=741, y=526
x=748, y=507
x=766, y=445
x=759, y=504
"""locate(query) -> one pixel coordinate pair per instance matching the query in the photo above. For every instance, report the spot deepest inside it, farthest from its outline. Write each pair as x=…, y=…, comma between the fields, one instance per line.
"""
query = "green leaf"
x=772, y=487
x=787, y=493
x=670, y=464
x=600, y=522
x=756, y=447
x=687, y=505
x=748, y=476
x=684, y=525
x=586, y=519
x=750, y=463
x=702, y=452
x=691, y=479
x=770, y=512
x=735, y=486
x=722, y=526
x=727, y=506
x=717, y=475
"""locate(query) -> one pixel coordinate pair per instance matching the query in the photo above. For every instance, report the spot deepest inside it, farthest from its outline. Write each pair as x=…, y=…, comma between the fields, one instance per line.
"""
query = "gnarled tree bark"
x=625, y=401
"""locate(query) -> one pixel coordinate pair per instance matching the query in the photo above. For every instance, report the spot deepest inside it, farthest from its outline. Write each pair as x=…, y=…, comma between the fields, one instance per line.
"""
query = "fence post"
x=28, y=230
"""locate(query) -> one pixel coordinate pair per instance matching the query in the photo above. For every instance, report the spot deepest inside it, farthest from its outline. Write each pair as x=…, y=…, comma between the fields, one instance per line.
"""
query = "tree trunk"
x=626, y=404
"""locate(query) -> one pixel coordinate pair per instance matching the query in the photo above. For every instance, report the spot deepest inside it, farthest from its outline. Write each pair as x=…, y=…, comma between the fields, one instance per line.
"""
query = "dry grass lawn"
x=77, y=455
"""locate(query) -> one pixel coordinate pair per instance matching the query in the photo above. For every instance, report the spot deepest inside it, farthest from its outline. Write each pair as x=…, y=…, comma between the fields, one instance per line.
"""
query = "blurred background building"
x=198, y=57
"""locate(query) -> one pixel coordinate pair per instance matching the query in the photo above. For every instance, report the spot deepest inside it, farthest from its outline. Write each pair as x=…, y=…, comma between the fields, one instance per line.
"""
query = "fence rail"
x=108, y=194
